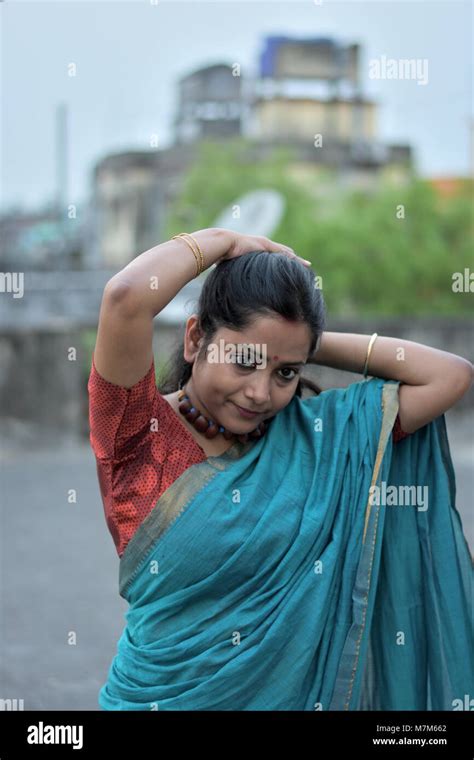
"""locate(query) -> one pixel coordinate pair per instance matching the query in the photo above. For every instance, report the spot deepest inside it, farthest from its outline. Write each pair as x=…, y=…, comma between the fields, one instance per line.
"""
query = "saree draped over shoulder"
x=319, y=568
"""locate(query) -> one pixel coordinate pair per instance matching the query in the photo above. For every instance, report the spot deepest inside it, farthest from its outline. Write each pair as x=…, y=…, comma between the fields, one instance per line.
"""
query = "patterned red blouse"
x=134, y=466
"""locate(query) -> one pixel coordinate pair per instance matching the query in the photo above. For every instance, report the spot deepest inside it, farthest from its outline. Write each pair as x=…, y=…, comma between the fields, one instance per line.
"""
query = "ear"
x=193, y=338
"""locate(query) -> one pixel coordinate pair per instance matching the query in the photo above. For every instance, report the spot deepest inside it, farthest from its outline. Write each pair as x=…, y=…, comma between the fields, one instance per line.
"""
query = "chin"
x=234, y=419
x=242, y=424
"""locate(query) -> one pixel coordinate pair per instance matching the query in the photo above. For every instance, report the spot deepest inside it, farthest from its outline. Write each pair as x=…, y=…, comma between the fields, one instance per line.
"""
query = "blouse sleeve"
x=397, y=432
x=120, y=418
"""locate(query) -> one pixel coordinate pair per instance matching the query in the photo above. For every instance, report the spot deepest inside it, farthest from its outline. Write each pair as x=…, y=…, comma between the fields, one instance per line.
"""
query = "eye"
x=251, y=366
x=244, y=364
x=289, y=369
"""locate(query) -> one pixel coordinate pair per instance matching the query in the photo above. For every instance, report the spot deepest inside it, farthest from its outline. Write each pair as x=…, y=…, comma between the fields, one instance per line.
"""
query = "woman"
x=277, y=553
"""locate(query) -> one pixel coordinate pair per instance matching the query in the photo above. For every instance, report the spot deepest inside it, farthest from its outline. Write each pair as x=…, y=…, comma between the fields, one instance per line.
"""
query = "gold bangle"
x=182, y=234
x=182, y=237
x=199, y=264
x=369, y=349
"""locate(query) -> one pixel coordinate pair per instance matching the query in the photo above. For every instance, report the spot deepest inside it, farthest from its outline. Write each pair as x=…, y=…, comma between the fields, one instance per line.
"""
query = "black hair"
x=237, y=291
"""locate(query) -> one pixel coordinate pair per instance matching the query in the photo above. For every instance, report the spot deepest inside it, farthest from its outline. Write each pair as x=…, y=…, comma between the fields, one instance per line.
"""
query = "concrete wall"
x=43, y=373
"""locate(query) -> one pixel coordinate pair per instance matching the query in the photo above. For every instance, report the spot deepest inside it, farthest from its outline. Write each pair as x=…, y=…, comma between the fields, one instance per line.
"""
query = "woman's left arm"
x=433, y=380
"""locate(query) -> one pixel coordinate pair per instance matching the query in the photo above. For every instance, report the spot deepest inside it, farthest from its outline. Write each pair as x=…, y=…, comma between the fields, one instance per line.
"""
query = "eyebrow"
x=282, y=363
x=294, y=363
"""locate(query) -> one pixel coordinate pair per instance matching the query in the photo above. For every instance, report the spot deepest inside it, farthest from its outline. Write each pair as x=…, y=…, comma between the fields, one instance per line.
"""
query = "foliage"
x=391, y=250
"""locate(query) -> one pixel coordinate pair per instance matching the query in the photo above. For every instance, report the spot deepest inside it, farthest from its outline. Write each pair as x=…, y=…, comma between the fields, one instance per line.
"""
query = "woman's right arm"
x=137, y=293
x=173, y=265
x=123, y=351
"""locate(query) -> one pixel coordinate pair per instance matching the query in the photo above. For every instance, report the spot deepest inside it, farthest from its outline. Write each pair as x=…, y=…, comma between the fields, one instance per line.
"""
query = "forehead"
x=284, y=337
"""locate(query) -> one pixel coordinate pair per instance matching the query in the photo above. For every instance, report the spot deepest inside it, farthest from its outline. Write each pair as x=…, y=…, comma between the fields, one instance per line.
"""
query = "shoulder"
x=121, y=418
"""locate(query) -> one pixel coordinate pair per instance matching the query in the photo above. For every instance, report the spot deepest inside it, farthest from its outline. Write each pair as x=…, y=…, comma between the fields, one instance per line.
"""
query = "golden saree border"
x=390, y=407
x=170, y=505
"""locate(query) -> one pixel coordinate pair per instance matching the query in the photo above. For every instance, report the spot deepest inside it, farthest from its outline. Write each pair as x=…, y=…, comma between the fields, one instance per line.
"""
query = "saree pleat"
x=269, y=579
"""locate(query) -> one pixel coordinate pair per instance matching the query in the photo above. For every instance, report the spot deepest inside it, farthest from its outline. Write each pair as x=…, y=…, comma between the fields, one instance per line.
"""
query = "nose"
x=257, y=389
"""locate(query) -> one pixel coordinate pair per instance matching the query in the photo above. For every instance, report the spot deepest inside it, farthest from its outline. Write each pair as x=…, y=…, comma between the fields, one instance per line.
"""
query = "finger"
x=285, y=249
x=292, y=255
x=272, y=245
x=280, y=248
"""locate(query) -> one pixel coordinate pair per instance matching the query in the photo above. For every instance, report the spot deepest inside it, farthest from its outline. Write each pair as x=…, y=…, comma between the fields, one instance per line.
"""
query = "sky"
x=128, y=57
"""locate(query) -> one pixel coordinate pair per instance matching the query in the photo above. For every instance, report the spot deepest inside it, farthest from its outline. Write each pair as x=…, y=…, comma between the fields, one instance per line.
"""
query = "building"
x=306, y=94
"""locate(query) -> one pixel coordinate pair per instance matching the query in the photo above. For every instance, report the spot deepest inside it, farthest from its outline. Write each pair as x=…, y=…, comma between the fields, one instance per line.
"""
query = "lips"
x=247, y=412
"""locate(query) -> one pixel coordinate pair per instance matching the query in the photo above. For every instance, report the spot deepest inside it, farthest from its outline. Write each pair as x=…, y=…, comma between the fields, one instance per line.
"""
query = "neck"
x=196, y=401
x=200, y=418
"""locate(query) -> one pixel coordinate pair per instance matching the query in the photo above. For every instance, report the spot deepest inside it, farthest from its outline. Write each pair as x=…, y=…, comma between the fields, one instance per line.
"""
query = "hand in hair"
x=242, y=244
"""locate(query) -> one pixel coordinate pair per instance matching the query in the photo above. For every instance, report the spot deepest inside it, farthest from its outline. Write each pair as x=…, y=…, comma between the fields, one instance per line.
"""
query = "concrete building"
x=210, y=104
x=306, y=94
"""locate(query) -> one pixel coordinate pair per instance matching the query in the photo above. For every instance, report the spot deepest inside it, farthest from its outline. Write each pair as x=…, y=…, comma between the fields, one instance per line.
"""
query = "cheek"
x=220, y=381
x=282, y=397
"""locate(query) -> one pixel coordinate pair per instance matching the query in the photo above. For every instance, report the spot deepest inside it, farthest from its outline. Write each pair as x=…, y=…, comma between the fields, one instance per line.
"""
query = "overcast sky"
x=129, y=56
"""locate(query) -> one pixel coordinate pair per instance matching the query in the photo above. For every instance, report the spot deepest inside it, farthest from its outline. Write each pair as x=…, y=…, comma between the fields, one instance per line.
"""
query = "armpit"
x=397, y=432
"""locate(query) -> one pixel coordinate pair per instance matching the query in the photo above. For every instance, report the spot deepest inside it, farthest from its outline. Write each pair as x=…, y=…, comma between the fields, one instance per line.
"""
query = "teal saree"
x=293, y=573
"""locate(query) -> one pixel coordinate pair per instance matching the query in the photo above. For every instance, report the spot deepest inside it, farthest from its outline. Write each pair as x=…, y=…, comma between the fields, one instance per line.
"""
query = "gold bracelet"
x=198, y=247
x=369, y=349
x=199, y=264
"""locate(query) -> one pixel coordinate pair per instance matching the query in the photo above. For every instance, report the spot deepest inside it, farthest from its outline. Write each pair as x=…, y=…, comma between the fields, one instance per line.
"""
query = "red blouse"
x=134, y=466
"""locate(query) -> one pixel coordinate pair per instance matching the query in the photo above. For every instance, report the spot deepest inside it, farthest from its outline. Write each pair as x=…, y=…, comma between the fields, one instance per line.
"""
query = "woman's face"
x=276, y=351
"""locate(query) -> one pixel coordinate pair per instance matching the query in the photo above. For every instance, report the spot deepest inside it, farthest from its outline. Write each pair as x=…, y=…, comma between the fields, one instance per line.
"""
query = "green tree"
x=387, y=251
